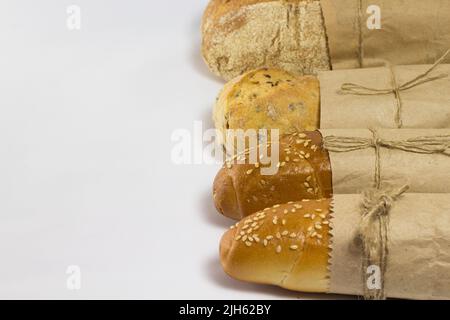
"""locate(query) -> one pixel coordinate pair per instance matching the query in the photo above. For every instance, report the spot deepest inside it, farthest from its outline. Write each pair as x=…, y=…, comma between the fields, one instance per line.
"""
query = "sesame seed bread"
x=304, y=172
x=241, y=35
x=268, y=99
x=289, y=250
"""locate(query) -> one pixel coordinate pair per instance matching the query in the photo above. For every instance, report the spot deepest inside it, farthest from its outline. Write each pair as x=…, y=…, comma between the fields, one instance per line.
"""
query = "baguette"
x=304, y=173
x=290, y=250
x=268, y=99
x=242, y=35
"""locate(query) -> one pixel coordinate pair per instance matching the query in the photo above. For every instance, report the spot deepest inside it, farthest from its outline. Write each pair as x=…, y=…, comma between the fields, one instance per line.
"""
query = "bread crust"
x=268, y=99
x=241, y=35
x=304, y=173
x=290, y=250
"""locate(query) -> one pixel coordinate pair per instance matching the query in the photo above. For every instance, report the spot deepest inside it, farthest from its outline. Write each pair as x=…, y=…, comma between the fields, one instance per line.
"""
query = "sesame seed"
x=308, y=178
x=293, y=210
x=276, y=206
x=306, y=144
x=293, y=247
x=257, y=165
x=302, y=135
x=278, y=249
x=286, y=211
x=249, y=171
x=307, y=215
x=285, y=233
x=287, y=159
x=269, y=238
x=325, y=222
x=318, y=210
x=318, y=226
x=310, y=228
x=237, y=238
x=313, y=216
x=323, y=216
x=248, y=244
x=245, y=227
x=250, y=238
x=242, y=233
x=265, y=242
x=307, y=155
x=292, y=235
x=298, y=206
x=283, y=222
x=278, y=235
x=254, y=224
x=306, y=184
x=319, y=236
x=310, y=190
x=244, y=238
x=314, y=234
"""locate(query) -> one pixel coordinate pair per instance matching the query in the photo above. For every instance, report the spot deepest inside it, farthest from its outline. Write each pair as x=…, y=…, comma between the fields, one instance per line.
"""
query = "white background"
x=86, y=176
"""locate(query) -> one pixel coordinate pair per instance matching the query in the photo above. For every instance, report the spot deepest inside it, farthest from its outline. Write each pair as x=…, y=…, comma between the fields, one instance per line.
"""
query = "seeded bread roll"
x=268, y=99
x=285, y=245
x=241, y=35
x=304, y=172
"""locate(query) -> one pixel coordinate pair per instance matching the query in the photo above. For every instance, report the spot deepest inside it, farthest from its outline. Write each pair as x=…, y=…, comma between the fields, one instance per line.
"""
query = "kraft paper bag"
x=354, y=171
x=418, y=247
x=426, y=105
x=412, y=32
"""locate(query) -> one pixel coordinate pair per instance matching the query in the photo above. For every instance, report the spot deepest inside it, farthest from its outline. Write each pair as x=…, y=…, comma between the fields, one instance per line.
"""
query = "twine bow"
x=373, y=234
x=396, y=89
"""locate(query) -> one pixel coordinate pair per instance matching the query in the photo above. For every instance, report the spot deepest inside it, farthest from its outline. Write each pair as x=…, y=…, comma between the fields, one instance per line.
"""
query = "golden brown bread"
x=285, y=245
x=304, y=173
x=268, y=99
x=241, y=35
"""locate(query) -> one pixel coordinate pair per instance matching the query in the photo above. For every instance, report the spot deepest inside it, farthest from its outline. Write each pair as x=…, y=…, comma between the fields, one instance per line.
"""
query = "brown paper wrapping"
x=354, y=171
x=412, y=32
x=419, y=247
x=424, y=106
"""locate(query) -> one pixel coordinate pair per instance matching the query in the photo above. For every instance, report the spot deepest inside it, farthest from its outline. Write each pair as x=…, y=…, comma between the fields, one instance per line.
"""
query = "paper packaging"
x=412, y=32
x=424, y=106
x=419, y=247
x=354, y=171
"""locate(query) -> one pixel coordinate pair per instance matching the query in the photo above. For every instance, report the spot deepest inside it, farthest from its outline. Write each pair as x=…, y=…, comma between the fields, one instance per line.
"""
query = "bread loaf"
x=241, y=35
x=315, y=245
x=285, y=245
x=268, y=99
x=304, y=172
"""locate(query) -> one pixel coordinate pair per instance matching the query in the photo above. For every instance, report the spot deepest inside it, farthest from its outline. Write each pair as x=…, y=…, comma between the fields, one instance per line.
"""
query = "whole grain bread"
x=241, y=35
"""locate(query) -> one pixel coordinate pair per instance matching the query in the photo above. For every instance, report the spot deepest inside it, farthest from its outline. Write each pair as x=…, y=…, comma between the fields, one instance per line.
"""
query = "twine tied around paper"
x=396, y=89
x=373, y=233
x=438, y=144
x=377, y=202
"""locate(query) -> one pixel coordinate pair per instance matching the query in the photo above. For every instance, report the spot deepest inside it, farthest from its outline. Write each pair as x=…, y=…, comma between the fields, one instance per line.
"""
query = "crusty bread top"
x=285, y=245
x=269, y=98
x=218, y=8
